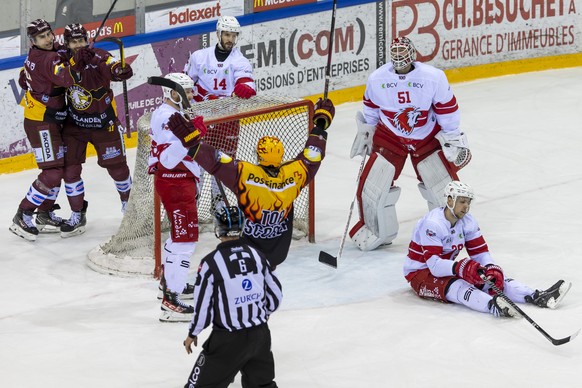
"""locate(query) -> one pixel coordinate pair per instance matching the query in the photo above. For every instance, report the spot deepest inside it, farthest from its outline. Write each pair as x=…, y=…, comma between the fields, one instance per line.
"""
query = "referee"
x=236, y=291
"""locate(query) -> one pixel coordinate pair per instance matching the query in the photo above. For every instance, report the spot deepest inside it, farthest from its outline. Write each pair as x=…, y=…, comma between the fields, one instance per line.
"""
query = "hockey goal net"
x=234, y=126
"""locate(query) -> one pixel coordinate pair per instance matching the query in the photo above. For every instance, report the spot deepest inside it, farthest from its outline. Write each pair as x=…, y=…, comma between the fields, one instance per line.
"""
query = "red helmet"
x=75, y=31
x=36, y=27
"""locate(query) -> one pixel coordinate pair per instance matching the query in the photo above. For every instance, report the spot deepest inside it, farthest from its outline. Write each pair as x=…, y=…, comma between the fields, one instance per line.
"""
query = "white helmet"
x=228, y=24
x=402, y=52
x=457, y=189
x=181, y=79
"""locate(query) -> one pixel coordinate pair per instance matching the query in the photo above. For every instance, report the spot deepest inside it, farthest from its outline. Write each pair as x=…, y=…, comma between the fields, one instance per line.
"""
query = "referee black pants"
x=226, y=353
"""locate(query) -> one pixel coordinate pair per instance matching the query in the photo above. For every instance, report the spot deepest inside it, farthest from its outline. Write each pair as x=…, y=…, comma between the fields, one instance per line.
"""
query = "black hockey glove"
x=324, y=112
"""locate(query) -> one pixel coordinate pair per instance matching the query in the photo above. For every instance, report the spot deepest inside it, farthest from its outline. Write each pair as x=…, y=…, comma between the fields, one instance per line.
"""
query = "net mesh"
x=234, y=126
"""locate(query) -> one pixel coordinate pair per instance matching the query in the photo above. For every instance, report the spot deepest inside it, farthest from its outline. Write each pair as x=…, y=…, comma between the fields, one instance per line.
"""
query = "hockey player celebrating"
x=44, y=78
x=433, y=273
x=177, y=177
x=266, y=190
x=218, y=72
x=92, y=118
x=409, y=110
x=240, y=338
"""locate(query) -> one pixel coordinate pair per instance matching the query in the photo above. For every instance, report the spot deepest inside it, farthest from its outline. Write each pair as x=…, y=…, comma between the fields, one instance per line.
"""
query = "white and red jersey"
x=168, y=153
x=435, y=244
x=218, y=78
x=411, y=105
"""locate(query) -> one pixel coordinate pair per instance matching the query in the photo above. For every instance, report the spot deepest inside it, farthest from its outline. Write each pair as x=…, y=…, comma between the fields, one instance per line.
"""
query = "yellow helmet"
x=270, y=151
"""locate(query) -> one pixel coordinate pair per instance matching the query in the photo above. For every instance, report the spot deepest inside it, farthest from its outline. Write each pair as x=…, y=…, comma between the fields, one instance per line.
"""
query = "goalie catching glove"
x=188, y=131
x=455, y=147
x=324, y=111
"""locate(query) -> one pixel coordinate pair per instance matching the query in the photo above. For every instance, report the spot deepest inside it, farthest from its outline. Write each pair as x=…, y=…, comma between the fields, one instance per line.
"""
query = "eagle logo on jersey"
x=79, y=97
x=405, y=120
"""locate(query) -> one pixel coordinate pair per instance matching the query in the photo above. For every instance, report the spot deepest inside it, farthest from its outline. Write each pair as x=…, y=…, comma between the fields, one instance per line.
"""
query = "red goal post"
x=135, y=250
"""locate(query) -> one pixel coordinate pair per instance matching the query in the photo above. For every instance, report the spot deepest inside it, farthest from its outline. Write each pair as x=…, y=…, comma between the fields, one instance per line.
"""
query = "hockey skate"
x=551, y=297
x=48, y=221
x=75, y=225
x=23, y=225
x=188, y=292
x=174, y=310
x=499, y=307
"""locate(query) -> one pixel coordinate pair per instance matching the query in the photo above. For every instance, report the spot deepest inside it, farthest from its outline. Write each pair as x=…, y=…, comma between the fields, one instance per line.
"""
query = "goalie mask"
x=229, y=222
x=402, y=53
x=181, y=79
x=227, y=24
x=36, y=27
x=270, y=151
x=75, y=31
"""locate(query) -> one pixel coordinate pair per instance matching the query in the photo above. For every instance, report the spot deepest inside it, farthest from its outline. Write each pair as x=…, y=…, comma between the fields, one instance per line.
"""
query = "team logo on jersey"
x=79, y=97
x=223, y=158
x=430, y=233
x=406, y=119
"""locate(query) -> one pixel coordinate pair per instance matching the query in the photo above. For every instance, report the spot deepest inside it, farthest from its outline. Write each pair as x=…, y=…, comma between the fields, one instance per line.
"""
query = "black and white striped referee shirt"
x=235, y=289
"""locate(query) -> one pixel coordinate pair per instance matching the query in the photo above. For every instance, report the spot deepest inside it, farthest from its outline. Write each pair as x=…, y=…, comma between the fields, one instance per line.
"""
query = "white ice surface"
x=360, y=326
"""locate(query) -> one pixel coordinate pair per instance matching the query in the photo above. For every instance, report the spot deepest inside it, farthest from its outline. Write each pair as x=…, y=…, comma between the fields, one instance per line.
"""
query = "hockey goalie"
x=409, y=110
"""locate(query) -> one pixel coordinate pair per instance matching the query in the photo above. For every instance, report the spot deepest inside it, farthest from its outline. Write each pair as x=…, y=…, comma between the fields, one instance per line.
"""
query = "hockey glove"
x=363, y=142
x=189, y=132
x=455, y=147
x=468, y=270
x=119, y=73
x=244, y=91
x=324, y=111
x=81, y=58
x=495, y=274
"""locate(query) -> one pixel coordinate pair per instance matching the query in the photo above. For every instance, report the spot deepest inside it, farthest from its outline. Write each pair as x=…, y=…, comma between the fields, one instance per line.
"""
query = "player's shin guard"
x=378, y=222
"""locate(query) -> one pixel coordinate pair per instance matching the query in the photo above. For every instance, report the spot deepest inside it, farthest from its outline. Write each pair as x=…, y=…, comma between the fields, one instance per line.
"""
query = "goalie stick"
x=325, y=257
x=554, y=341
x=119, y=44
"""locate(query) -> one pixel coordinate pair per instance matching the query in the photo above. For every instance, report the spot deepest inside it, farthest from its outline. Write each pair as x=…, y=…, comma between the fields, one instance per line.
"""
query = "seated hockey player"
x=266, y=190
x=409, y=110
x=433, y=273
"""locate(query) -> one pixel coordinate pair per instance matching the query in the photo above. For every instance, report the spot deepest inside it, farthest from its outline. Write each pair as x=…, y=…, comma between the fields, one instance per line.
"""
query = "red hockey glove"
x=186, y=130
x=468, y=270
x=244, y=91
x=81, y=58
x=495, y=274
x=323, y=113
x=119, y=73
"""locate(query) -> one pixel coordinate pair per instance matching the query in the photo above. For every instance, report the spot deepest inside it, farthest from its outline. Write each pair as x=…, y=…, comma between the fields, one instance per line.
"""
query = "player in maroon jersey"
x=44, y=77
x=92, y=118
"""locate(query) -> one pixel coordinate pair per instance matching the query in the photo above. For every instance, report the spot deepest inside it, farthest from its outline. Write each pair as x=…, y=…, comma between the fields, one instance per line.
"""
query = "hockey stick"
x=119, y=44
x=329, y=51
x=325, y=257
x=103, y=24
x=553, y=340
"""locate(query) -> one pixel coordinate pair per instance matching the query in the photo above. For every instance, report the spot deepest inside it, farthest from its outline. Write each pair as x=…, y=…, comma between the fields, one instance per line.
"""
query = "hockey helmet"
x=75, y=31
x=229, y=222
x=402, y=52
x=270, y=151
x=456, y=189
x=36, y=27
x=228, y=24
x=181, y=79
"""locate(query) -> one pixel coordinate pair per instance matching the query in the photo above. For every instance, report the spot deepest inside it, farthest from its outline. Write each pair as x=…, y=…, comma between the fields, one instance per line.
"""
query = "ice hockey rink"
x=358, y=326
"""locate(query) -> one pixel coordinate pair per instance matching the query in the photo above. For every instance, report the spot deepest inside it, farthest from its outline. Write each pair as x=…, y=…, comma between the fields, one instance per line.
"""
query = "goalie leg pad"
x=435, y=174
x=378, y=221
